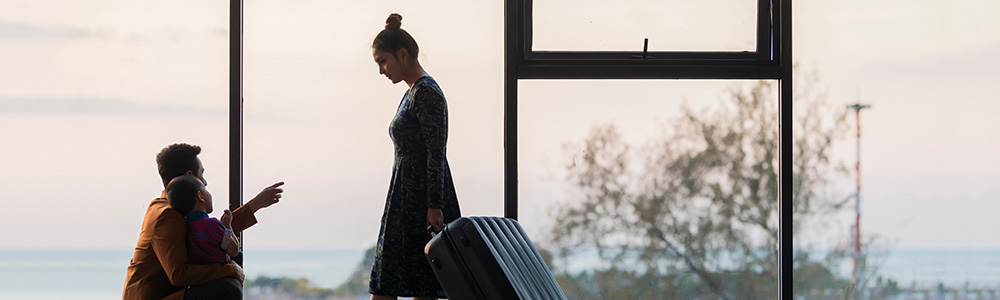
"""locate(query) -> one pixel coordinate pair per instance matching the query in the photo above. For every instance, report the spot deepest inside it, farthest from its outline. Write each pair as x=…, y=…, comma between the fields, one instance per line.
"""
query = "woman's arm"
x=432, y=113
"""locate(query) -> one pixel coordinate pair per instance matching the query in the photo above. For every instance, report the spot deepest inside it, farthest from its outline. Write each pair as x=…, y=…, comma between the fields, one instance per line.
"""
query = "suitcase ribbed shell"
x=470, y=251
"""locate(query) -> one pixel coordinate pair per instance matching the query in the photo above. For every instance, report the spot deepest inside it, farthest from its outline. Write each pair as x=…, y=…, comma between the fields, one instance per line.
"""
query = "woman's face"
x=388, y=65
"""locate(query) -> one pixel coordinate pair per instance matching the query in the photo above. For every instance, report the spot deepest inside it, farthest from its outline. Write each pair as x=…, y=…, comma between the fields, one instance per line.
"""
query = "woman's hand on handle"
x=435, y=219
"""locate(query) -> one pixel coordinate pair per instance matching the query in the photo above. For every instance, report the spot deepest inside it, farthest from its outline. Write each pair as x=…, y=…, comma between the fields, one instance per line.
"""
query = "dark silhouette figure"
x=422, y=195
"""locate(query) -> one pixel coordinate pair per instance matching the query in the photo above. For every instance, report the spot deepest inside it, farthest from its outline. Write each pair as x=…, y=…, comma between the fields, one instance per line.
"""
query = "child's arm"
x=233, y=249
x=229, y=241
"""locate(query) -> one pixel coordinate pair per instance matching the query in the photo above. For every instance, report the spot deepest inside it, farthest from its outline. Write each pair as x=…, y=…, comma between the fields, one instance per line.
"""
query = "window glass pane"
x=90, y=93
x=927, y=147
x=317, y=117
x=670, y=25
x=660, y=172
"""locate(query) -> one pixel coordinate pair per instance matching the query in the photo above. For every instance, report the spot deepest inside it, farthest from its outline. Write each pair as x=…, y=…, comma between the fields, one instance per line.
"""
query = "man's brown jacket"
x=159, y=268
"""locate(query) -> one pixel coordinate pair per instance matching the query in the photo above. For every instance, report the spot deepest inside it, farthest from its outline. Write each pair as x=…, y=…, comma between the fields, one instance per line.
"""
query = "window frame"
x=764, y=63
x=772, y=60
x=236, y=112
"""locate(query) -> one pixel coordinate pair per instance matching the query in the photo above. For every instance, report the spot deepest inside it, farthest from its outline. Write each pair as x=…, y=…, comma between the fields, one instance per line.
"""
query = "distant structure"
x=857, y=258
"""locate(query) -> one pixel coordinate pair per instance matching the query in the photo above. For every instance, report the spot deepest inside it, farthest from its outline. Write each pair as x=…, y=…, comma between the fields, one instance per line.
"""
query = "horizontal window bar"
x=577, y=71
x=650, y=56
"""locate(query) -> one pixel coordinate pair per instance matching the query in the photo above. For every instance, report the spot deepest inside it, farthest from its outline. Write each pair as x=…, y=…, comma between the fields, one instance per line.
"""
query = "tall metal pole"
x=857, y=260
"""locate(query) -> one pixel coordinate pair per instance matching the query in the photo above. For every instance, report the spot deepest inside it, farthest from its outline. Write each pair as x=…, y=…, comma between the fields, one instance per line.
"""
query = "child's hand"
x=227, y=219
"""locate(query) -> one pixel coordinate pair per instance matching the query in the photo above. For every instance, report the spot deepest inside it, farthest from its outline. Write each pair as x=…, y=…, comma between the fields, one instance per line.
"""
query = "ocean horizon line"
x=132, y=249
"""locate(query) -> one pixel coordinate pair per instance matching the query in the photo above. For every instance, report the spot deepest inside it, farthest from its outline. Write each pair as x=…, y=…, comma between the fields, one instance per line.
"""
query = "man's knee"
x=232, y=289
x=222, y=288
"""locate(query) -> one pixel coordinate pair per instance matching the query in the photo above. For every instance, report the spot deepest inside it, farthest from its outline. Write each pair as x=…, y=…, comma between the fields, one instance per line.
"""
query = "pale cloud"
x=24, y=31
x=18, y=31
x=97, y=106
x=969, y=63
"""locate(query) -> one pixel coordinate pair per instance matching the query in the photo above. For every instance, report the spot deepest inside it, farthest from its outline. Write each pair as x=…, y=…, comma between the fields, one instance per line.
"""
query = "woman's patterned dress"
x=421, y=179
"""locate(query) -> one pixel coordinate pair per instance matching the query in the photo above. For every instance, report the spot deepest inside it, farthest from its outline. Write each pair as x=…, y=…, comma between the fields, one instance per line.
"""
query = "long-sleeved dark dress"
x=421, y=179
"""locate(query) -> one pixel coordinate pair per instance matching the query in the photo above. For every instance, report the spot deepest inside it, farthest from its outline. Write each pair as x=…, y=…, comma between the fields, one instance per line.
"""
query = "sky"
x=90, y=92
x=928, y=169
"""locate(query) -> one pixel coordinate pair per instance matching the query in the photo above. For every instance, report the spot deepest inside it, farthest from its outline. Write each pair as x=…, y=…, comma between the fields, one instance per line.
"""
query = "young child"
x=208, y=239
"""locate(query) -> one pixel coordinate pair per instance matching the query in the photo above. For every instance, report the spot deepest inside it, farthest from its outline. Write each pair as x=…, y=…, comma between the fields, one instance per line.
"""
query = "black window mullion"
x=526, y=27
x=236, y=110
x=783, y=35
x=517, y=42
x=777, y=26
x=764, y=27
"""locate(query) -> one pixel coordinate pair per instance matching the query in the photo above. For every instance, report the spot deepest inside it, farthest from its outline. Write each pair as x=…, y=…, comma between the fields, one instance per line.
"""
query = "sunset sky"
x=91, y=91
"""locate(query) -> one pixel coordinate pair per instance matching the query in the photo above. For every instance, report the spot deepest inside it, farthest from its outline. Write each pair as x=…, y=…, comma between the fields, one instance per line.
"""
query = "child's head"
x=187, y=193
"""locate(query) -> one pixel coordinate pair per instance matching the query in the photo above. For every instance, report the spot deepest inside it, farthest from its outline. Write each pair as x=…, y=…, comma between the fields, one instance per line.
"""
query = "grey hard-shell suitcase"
x=486, y=258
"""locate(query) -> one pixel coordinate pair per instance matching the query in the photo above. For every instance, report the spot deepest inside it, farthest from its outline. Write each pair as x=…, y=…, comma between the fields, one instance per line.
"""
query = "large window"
x=769, y=58
x=927, y=164
x=89, y=95
x=317, y=113
x=646, y=188
x=92, y=91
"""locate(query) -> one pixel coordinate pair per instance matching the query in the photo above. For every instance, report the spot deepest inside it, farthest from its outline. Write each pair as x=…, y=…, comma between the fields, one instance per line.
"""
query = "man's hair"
x=182, y=192
x=175, y=160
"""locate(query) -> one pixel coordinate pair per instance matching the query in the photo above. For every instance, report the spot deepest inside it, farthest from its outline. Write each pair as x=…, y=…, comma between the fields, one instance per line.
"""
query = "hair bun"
x=394, y=21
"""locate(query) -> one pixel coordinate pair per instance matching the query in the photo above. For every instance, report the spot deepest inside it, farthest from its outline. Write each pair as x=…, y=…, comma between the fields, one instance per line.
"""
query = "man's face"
x=200, y=173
